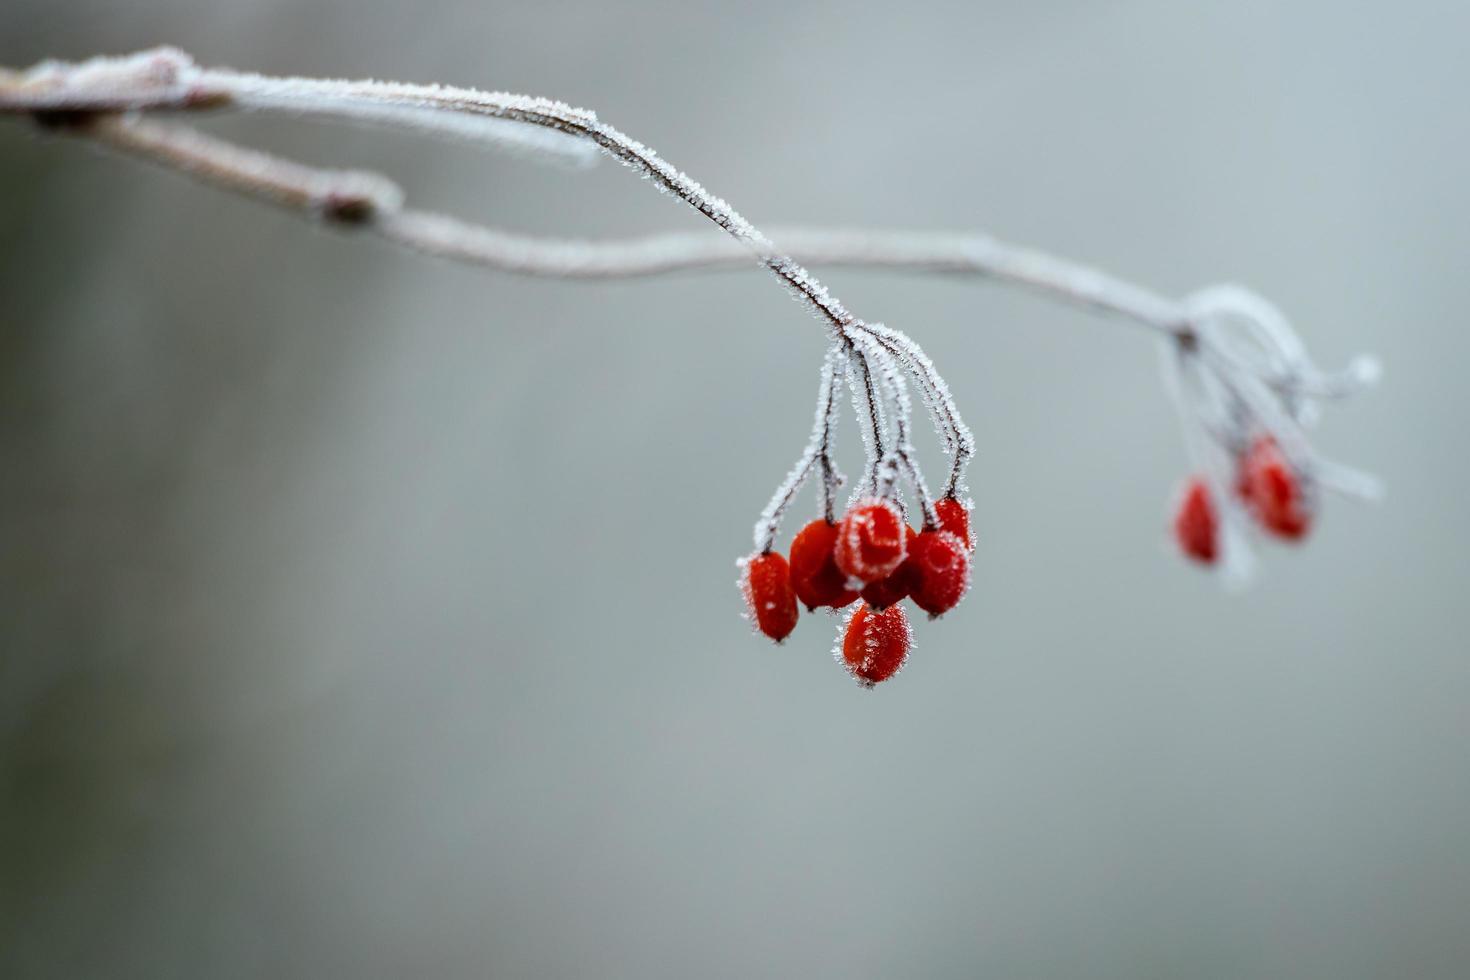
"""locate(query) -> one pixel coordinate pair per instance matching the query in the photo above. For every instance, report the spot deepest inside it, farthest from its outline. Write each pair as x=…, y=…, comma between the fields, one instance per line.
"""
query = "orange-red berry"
x=898, y=584
x=876, y=644
x=941, y=571
x=1195, y=526
x=765, y=581
x=814, y=573
x=954, y=517
x=1274, y=491
x=870, y=540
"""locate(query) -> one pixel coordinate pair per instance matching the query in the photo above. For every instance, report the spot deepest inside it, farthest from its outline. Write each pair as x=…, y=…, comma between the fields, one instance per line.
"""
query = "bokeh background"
x=362, y=615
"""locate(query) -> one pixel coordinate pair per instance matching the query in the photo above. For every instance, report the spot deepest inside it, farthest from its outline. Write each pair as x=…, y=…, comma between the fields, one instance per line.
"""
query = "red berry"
x=876, y=644
x=765, y=581
x=954, y=517
x=1194, y=523
x=941, y=565
x=870, y=540
x=1274, y=491
x=814, y=573
x=897, y=586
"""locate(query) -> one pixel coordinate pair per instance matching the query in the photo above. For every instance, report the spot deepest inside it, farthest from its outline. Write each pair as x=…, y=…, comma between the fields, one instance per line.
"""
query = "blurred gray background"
x=362, y=615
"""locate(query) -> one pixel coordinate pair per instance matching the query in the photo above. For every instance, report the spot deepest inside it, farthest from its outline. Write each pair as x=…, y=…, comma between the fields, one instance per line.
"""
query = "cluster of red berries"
x=1268, y=486
x=871, y=555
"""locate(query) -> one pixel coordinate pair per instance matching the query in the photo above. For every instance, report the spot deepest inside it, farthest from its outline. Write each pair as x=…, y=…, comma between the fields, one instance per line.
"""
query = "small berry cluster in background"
x=1247, y=395
x=1268, y=487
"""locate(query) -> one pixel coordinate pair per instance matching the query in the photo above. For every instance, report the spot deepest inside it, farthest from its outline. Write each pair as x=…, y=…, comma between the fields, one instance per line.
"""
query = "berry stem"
x=817, y=451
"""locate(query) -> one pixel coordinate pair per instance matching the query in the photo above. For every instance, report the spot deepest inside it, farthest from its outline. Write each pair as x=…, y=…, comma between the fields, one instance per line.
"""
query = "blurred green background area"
x=362, y=615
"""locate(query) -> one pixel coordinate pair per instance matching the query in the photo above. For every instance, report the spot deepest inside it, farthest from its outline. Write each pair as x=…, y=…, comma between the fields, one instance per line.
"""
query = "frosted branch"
x=1238, y=369
x=168, y=80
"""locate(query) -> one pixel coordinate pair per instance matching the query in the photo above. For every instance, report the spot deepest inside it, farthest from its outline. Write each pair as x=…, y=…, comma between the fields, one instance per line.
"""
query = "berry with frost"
x=875, y=644
x=814, y=572
x=954, y=517
x=941, y=571
x=870, y=540
x=765, y=581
